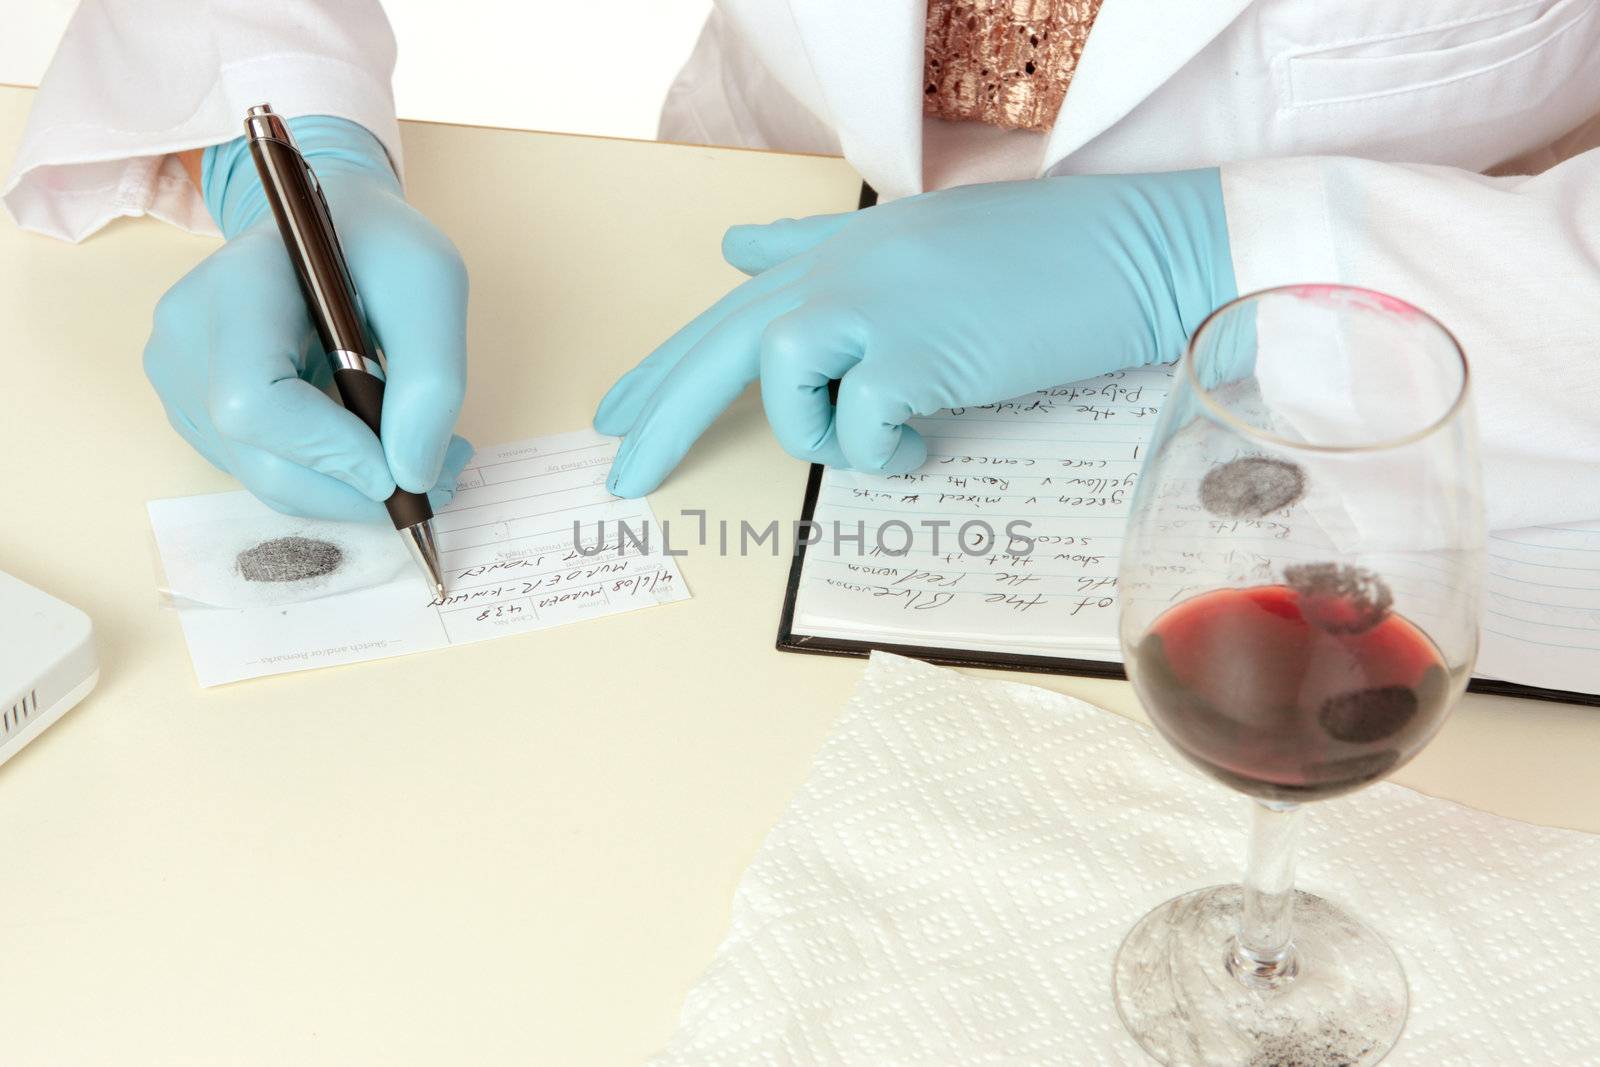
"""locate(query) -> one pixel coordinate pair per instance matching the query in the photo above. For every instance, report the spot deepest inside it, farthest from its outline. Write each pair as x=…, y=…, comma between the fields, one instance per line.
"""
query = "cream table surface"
x=520, y=851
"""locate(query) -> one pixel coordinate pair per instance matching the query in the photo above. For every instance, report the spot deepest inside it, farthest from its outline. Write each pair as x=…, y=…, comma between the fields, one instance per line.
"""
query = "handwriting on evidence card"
x=505, y=543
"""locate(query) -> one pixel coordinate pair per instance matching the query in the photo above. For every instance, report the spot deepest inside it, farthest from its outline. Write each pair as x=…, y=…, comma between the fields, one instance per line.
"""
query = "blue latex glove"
x=959, y=297
x=237, y=364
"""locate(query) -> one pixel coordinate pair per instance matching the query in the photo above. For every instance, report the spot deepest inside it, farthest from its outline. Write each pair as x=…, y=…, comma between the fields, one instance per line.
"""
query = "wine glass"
x=1300, y=589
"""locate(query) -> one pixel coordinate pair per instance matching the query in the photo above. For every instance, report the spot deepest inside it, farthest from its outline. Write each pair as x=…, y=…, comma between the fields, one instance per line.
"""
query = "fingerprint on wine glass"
x=1339, y=598
x=1251, y=486
x=1362, y=716
x=1353, y=770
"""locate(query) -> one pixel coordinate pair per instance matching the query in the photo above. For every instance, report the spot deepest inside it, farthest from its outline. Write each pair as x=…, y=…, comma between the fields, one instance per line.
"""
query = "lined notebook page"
x=1542, y=619
x=1065, y=460
x=1062, y=459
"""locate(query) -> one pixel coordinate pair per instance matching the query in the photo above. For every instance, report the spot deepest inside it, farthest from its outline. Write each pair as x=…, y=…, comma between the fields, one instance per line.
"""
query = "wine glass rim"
x=1302, y=289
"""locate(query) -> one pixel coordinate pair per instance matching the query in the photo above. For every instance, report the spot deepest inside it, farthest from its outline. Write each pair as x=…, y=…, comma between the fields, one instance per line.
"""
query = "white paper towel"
x=951, y=882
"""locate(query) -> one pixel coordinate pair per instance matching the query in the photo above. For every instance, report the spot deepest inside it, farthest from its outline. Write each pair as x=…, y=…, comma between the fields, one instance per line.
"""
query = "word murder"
x=892, y=538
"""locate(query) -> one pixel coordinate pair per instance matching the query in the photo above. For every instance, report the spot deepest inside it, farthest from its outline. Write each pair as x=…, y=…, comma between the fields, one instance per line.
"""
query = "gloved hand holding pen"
x=237, y=364
x=963, y=296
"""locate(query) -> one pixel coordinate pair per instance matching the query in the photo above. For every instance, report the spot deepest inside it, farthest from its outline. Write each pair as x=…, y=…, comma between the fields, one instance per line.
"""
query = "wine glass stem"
x=1263, y=953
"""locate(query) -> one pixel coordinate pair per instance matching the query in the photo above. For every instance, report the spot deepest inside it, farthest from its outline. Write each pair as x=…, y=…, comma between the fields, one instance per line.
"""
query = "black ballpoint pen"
x=335, y=307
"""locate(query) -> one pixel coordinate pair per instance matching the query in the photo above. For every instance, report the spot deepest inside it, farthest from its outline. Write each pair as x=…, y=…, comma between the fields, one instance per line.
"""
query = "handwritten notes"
x=1065, y=461
x=261, y=593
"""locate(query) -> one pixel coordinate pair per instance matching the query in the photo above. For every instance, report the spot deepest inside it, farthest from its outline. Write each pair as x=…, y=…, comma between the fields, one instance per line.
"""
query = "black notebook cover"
x=789, y=641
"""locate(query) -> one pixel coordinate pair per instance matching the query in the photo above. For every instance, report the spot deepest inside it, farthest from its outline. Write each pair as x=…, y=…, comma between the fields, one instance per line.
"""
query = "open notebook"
x=1064, y=459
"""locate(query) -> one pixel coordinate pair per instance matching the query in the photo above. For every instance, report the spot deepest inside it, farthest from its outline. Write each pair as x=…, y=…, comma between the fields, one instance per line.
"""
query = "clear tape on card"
x=250, y=557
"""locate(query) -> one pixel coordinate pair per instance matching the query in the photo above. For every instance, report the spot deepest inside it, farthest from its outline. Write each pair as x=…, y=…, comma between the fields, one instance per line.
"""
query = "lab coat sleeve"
x=1511, y=265
x=134, y=81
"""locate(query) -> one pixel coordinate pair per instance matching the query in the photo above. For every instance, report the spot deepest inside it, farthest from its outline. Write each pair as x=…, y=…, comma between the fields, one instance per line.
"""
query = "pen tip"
x=419, y=542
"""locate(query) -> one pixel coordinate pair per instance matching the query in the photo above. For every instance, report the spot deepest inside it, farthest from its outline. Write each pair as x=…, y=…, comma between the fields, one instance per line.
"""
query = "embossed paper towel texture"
x=950, y=883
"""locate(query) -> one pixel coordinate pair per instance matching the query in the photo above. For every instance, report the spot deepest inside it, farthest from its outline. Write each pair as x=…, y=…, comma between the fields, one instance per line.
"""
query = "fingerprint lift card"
x=258, y=592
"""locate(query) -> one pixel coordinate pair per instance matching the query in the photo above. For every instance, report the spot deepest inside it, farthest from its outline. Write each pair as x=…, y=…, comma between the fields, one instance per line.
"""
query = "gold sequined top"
x=1004, y=62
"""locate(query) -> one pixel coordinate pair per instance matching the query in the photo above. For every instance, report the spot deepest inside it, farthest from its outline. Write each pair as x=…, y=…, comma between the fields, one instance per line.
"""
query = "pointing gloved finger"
x=710, y=376
x=621, y=405
x=755, y=248
x=871, y=422
x=415, y=299
x=802, y=352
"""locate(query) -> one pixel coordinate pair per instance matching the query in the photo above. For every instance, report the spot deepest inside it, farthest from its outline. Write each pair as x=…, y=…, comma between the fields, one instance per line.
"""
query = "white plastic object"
x=47, y=662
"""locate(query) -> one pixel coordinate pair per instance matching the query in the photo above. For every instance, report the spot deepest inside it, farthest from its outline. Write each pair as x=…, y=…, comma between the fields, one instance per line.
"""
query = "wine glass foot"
x=1177, y=995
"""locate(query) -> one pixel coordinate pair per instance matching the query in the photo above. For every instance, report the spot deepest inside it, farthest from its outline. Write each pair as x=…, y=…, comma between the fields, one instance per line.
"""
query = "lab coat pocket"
x=1511, y=55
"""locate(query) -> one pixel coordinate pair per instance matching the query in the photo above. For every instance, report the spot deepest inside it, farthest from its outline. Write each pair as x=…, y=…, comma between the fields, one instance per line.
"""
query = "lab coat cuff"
x=1278, y=223
x=71, y=178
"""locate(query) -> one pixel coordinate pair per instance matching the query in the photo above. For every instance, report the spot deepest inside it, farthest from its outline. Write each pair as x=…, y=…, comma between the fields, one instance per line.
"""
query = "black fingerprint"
x=1250, y=487
x=1339, y=598
x=1353, y=770
x=1370, y=714
x=289, y=559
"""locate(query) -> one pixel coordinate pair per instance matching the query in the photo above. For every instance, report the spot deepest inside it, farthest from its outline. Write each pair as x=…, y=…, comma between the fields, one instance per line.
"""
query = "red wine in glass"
x=1291, y=693
x=1317, y=442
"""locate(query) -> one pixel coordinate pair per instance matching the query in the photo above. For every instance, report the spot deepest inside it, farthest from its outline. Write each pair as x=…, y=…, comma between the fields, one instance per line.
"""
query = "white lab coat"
x=1350, y=138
